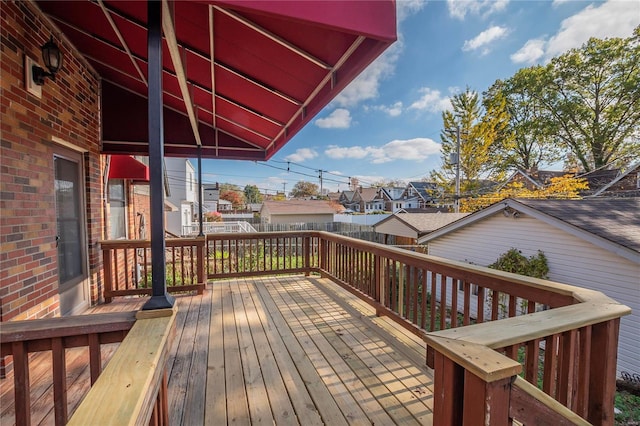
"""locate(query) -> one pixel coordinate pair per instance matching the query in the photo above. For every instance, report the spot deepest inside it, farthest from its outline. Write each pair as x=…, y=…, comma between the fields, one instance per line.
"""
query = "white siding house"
x=183, y=190
x=593, y=244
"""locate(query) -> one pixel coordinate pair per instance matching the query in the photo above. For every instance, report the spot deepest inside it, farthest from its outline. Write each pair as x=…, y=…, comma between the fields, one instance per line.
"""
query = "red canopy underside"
x=275, y=65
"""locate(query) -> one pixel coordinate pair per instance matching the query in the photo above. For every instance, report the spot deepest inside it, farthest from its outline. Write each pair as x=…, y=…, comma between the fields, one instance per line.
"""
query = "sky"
x=386, y=124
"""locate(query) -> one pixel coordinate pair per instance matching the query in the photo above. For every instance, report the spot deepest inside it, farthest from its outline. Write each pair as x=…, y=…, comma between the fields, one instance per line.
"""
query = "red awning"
x=241, y=77
x=127, y=167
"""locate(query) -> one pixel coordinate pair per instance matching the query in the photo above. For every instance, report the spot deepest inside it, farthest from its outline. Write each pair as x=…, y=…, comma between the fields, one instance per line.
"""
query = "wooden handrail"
x=20, y=338
x=534, y=326
x=125, y=392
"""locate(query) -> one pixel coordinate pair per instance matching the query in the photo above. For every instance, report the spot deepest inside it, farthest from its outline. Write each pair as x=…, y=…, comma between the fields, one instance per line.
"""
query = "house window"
x=117, y=210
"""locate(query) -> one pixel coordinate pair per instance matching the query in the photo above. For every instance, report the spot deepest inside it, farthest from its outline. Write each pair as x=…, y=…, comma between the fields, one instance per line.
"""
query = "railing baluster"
x=433, y=302
x=466, y=320
x=443, y=301
x=454, y=303
x=480, y=313
x=584, y=370
x=532, y=359
x=59, y=380
x=21, y=383
x=95, y=357
x=495, y=305
x=550, y=365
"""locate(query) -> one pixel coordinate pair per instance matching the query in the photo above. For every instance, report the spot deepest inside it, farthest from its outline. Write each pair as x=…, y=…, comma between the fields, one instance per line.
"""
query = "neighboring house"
x=183, y=192
x=624, y=184
x=396, y=199
x=591, y=243
x=350, y=200
x=408, y=227
x=370, y=200
x=362, y=200
x=297, y=211
x=225, y=205
x=426, y=192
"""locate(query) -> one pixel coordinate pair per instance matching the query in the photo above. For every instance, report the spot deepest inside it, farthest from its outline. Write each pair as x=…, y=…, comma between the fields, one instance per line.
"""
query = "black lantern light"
x=52, y=60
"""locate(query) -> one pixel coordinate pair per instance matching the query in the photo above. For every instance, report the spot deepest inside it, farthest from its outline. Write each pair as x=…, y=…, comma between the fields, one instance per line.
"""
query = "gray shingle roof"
x=616, y=219
x=426, y=222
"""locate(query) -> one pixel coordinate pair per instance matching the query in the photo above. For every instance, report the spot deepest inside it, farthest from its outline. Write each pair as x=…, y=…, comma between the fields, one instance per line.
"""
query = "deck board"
x=271, y=350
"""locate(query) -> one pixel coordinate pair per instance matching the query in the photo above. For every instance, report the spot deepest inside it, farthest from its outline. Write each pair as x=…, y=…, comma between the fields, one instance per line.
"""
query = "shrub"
x=513, y=261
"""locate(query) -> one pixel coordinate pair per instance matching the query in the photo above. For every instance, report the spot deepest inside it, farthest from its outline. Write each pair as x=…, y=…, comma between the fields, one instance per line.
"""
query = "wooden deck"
x=275, y=350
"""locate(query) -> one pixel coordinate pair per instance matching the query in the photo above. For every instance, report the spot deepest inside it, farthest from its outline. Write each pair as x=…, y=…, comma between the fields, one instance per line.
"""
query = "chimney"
x=360, y=189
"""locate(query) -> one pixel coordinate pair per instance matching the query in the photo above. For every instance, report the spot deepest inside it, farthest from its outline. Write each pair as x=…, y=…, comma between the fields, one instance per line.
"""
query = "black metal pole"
x=160, y=299
x=201, y=233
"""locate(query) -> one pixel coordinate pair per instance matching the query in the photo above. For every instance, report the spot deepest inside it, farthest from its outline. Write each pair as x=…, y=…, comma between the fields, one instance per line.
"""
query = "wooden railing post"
x=448, y=378
x=21, y=383
x=306, y=253
x=602, y=387
x=486, y=403
x=59, y=380
x=201, y=271
x=107, y=264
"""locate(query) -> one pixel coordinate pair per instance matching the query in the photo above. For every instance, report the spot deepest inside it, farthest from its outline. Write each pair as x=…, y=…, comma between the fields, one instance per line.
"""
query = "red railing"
x=20, y=339
x=482, y=327
x=127, y=266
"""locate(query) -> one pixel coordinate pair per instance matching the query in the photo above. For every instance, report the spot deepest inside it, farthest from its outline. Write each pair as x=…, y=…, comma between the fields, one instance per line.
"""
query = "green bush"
x=513, y=261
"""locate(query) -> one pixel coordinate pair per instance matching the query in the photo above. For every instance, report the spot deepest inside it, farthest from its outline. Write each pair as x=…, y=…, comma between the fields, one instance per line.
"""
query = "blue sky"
x=386, y=124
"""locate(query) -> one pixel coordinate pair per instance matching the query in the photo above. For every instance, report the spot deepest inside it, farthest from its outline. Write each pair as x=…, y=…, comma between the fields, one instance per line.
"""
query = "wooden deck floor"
x=288, y=350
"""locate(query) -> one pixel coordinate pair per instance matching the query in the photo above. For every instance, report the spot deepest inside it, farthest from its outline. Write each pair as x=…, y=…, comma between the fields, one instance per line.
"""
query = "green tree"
x=304, y=189
x=528, y=142
x=252, y=194
x=591, y=98
x=482, y=131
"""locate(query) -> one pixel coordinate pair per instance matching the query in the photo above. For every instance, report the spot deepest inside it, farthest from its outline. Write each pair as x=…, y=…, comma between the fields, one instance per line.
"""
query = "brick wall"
x=67, y=111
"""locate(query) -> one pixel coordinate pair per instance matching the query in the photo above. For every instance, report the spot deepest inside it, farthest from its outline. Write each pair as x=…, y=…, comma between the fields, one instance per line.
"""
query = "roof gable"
x=611, y=223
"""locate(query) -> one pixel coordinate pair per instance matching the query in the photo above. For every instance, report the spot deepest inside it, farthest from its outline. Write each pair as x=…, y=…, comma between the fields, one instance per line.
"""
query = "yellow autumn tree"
x=564, y=187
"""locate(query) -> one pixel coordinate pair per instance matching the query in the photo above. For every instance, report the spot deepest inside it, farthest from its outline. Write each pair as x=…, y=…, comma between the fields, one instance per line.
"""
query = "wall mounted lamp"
x=52, y=58
x=510, y=212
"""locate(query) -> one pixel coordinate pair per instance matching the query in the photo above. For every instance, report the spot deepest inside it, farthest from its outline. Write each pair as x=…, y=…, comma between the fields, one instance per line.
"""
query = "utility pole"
x=457, y=201
x=284, y=189
x=320, y=177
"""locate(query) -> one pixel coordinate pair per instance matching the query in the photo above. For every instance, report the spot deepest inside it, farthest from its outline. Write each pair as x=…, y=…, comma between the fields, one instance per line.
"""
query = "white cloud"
x=557, y=3
x=406, y=8
x=530, y=52
x=338, y=119
x=485, y=38
x=460, y=8
x=417, y=149
x=392, y=110
x=614, y=18
x=301, y=154
x=431, y=100
x=610, y=19
x=366, y=85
